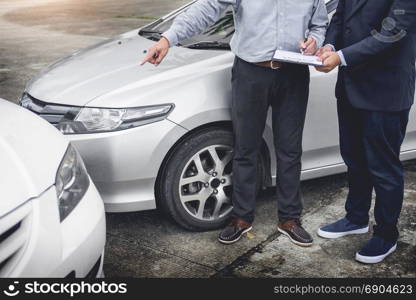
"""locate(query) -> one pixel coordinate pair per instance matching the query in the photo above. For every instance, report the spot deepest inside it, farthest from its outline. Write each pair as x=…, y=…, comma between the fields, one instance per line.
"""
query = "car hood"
x=30, y=153
x=107, y=67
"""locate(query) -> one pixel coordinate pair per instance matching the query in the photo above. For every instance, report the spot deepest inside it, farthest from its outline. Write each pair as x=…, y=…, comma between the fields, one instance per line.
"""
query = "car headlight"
x=92, y=120
x=71, y=182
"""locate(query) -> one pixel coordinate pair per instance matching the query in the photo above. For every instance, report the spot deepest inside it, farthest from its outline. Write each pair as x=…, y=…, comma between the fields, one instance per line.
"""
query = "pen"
x=303, y=49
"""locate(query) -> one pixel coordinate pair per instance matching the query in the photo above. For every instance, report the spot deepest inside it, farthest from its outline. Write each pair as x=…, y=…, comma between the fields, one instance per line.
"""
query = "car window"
x=220, y=32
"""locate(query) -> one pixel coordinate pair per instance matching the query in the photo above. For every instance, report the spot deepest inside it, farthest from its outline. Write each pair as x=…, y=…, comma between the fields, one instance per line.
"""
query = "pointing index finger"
x=147, y=58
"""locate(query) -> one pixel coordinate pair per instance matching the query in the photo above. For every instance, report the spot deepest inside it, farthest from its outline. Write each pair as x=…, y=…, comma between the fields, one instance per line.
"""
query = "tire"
x=196, y=183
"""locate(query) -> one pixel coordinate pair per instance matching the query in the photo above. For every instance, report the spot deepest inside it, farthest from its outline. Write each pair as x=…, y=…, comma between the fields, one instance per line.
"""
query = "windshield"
x=216, y=36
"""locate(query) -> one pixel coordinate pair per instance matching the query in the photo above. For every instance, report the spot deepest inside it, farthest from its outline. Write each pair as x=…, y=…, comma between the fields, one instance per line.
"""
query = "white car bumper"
x=42, y=246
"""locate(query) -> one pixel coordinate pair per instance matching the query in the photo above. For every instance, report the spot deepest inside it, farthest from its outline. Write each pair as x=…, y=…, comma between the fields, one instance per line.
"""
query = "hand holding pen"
x=308, y=46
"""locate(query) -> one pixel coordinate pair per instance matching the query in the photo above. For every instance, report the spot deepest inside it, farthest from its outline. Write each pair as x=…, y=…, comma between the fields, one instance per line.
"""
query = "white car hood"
x=30, y=153
x=107, y=67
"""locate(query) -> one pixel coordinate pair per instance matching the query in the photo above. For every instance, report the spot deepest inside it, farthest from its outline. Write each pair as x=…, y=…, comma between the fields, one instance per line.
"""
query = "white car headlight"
x=91, y=119
x=71, y=182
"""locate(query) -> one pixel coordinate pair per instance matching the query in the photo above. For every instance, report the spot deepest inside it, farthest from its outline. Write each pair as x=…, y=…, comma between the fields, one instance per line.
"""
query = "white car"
x=52, y=220
x=164, y=135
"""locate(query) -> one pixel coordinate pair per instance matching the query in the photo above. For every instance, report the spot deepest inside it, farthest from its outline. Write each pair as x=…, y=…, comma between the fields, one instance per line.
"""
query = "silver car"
x=162, y=136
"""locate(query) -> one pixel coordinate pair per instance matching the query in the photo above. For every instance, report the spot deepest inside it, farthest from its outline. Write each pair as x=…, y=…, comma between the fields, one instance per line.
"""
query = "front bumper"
x=55, y=249
x=124, y=164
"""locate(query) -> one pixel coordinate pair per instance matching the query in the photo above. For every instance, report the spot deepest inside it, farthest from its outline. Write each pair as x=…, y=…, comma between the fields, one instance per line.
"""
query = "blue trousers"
x=370, y=144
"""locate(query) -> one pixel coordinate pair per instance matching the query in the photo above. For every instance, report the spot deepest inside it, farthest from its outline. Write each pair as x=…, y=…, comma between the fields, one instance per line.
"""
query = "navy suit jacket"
x=378, y=40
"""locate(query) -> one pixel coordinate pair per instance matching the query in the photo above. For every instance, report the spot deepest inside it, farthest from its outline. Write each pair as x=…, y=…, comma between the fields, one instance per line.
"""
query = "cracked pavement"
x=146, y=244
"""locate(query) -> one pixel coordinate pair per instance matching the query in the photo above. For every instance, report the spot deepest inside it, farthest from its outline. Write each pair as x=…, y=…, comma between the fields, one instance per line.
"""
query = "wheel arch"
x=265, y=155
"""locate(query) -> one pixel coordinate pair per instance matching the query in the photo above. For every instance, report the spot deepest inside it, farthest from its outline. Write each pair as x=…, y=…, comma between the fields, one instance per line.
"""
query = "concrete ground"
x=145, y=244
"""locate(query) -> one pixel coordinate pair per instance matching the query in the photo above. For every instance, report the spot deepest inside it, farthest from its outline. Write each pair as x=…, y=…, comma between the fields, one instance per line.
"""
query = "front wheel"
x=196, y=184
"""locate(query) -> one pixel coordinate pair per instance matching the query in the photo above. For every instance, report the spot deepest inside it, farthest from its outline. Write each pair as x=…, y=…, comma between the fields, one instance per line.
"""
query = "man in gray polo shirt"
x=261, y=27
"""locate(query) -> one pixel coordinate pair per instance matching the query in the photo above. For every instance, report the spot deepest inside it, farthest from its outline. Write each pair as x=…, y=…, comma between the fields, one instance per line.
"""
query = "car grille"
x=14, y=234
x=52, y=113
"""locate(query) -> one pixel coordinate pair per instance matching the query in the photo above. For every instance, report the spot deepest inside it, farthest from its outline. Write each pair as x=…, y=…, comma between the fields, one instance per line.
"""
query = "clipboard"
x=296, y=58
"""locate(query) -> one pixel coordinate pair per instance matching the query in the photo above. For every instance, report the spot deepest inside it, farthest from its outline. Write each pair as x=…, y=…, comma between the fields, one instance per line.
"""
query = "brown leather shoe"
x=234, y=231
x=296, y=233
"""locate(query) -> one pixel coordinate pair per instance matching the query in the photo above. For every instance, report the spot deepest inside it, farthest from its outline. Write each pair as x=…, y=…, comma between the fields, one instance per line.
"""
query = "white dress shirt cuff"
x=342, y=57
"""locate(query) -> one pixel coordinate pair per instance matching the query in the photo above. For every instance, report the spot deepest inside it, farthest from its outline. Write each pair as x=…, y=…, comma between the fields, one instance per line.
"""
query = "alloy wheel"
x=205, y=185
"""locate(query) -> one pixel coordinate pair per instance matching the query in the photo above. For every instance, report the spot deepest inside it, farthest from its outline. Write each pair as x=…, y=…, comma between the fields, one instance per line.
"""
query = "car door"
x=321, y=138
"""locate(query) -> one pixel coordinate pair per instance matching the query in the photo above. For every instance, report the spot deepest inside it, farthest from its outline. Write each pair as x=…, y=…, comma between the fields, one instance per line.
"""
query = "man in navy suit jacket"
x=374, y=43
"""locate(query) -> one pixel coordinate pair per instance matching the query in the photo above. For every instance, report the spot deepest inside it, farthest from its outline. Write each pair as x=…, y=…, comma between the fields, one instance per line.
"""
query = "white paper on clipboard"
x=296, y=58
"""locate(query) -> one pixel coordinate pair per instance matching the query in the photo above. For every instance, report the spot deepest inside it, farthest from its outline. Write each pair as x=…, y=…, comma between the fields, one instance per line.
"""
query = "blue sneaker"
x=375, y=251
x=341, y=228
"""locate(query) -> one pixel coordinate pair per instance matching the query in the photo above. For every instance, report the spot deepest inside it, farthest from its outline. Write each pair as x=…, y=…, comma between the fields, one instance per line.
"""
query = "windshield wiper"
x=209, y=45
x=150, y=31
x=154, y=35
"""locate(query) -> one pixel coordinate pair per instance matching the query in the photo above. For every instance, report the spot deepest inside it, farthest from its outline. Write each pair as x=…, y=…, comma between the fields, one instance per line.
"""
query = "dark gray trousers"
x=254, y=90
